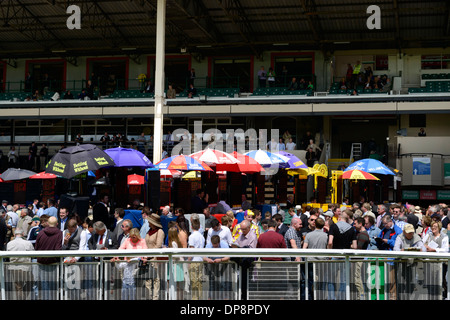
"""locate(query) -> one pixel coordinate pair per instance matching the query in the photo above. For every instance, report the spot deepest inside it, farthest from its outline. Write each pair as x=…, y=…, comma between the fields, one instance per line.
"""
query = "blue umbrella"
x=266, y=158
x=371, y=166
x=124, y=157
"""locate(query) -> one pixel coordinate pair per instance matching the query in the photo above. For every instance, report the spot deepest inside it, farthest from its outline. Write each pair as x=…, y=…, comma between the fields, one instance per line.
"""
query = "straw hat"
x=154, y=219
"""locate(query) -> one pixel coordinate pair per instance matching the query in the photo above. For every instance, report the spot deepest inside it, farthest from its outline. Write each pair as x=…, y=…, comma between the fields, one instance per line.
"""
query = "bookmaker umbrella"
x=371, y=166
x=72, y=161
x=125, y=157
x=16, y=174
x=183, y=163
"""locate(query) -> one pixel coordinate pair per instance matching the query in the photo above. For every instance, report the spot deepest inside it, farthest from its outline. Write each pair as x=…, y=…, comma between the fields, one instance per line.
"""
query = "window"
x=417, y=120
x=436, y=61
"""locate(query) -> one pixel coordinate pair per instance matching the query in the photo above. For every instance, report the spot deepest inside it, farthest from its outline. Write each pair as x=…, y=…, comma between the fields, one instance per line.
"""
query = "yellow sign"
x=59, y=167
x=101, y=161
x=80, y=166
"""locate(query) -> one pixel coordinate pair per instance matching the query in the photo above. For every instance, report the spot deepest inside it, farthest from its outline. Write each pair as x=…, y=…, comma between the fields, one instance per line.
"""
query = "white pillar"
x=159, y=80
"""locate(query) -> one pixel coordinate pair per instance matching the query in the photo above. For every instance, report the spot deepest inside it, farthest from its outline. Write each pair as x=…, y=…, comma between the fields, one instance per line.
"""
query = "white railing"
x=340, y=274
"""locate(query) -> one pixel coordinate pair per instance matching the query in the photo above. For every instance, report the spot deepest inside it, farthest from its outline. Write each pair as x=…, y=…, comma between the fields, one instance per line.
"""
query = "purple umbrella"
x=124, y=157
x=293, y=163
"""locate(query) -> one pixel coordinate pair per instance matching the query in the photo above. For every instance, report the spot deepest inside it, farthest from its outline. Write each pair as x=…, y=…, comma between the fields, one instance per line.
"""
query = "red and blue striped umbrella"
x=183, y=163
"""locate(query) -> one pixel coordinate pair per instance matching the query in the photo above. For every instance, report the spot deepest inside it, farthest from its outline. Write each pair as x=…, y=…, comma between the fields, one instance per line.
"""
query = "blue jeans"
x=338, y=272
x=128, y=291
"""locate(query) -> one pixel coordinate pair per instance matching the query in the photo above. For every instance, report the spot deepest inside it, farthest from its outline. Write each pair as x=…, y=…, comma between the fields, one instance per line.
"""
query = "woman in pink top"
x=129, y=265
x=134, y=241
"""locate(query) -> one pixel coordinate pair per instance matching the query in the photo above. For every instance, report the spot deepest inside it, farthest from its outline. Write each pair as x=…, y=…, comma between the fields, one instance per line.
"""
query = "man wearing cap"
x=37, y=224
x=5, y=205
x=408, y=239
x=20, y=274
x=411, y=270
x=248, y=215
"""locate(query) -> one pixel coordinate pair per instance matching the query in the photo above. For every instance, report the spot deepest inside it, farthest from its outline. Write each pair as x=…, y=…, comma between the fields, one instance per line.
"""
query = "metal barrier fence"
x=321, y=275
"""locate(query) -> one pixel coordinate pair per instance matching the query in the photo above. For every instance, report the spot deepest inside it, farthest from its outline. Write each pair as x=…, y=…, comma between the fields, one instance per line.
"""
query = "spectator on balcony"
x=105, y=139
x=281, y=145
x=343, y=84
x=83, y=95
x=349, y=73
x=90, y=90
x=271, y=77
x=310, y=157
x=28, y=82
x=293, y=85
x=290, y=145
x=310, y=86
x=356, y=71
x=262, y=77
x=36, y=96
x=192, y=91
x=149, y=88
x=191, y=76
x=368, y=72
x=141, y=142
x=171, y=92
x=422, y=133
x=302, y=85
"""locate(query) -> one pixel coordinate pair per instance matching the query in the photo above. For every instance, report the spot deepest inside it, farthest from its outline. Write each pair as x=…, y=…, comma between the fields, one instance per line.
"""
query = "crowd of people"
x=357, y=78
x=363, y=226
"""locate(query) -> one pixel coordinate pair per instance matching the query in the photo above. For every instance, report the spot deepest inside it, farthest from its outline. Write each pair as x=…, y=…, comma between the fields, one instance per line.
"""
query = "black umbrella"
x=16, y=174
x=72, y=161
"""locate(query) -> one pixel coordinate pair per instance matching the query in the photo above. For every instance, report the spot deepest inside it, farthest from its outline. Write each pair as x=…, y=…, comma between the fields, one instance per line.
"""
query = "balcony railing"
x=330, y=274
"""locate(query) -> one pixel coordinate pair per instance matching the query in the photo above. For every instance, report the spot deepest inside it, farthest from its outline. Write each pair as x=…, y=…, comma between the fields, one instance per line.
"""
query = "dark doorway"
x=2, y=76
x=111, y=75
x=175, y=69
x=232, y=73
x=47, y=76
x=300, y=66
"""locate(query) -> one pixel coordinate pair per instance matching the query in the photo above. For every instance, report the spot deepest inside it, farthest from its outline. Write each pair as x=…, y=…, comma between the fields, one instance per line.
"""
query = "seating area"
x=335, y=89
x=11, y=96
x=436, y=76
x=432, y=87
x=213, y=92
x=120, y=94
x=270, y=91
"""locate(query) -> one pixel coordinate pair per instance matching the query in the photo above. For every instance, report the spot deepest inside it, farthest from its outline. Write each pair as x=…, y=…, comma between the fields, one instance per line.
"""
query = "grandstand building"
x=226, y=43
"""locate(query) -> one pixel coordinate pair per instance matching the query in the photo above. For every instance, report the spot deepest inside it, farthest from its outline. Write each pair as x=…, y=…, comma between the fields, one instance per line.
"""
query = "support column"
x=159, y=80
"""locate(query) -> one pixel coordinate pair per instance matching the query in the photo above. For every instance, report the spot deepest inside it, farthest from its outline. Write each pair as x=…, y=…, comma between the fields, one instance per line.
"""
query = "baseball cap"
x=408, y=228
x=249, y=213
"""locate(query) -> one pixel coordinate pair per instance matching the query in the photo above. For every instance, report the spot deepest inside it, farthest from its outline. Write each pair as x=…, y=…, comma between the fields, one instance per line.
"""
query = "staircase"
x=356, y=151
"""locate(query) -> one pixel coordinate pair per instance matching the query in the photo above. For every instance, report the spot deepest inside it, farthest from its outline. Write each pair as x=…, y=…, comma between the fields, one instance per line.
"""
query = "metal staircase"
x=356, y=152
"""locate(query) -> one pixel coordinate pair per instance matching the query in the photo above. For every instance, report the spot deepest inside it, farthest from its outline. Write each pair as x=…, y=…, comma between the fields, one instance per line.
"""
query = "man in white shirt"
x=196, y=240
x=290, y=145
x=217, y=229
